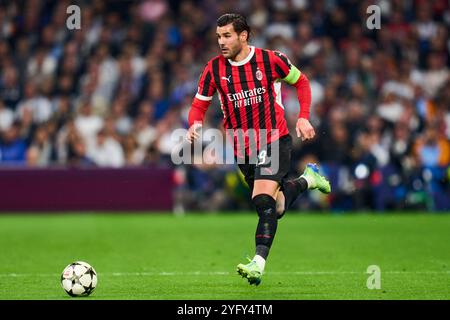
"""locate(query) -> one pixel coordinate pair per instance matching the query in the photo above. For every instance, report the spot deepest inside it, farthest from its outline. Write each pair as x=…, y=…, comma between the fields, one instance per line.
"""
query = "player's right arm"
x=200, y=103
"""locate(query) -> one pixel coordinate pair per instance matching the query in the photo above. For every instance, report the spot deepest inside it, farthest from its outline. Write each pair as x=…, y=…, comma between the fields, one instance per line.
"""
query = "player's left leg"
x=263, y=198
x=273, y=165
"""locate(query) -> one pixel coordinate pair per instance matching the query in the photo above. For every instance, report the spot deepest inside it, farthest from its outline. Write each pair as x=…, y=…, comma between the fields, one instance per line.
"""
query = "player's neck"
x=242, y=54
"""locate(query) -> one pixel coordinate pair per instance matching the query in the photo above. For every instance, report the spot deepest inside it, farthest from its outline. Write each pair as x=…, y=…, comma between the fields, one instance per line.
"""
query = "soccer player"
x=248, y=82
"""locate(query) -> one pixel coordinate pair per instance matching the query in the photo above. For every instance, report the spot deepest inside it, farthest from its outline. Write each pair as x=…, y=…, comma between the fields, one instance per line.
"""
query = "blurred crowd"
x=111, y=93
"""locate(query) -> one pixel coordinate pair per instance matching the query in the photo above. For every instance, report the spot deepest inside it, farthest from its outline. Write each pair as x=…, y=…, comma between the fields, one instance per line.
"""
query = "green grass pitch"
x=161, y=256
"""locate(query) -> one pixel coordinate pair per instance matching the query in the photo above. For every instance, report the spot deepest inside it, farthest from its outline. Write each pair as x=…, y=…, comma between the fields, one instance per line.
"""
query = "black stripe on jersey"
x=232, y=90
x=280, y=72
x=206, y=84
x=267, y=67
x=215, y=71
x=261, y=109
x=244, y=85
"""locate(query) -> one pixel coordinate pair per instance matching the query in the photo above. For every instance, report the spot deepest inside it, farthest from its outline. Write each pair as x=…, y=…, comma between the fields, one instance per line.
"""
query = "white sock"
x=260, y=261
x=308, y=181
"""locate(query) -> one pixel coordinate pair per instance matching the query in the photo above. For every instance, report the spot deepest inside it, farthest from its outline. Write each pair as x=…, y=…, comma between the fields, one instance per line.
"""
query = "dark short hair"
x=239, y=22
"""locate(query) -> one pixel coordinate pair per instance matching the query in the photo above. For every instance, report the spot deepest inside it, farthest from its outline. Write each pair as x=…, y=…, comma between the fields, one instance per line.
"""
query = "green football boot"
x=315, y=180
x=251, y=271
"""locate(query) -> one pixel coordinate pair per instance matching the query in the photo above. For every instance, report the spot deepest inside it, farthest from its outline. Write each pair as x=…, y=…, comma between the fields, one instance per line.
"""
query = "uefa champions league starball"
x=79, y=279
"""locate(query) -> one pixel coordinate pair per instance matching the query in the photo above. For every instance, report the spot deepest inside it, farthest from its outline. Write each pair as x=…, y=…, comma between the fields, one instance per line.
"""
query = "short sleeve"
x=206, y=87
x=284, y=69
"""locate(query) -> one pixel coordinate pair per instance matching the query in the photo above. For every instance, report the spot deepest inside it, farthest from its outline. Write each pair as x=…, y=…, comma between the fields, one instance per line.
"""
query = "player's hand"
x=304, y=129
x=194, y=132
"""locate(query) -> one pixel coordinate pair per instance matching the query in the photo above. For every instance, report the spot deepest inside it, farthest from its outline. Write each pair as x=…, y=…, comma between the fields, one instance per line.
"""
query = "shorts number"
x=261, y=157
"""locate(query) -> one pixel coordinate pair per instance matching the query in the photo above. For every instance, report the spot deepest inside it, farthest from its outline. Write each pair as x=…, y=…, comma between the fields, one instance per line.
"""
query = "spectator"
x=10, y=91
x=12, y=146
x=6, y=117
x=38, y=105
x=123, y=82
x=88, y=124
x=40, y=151
x=107, y=151
x=432, y=149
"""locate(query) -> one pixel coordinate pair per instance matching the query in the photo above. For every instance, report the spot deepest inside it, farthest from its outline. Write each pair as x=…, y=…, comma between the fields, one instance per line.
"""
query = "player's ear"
x=243, y=35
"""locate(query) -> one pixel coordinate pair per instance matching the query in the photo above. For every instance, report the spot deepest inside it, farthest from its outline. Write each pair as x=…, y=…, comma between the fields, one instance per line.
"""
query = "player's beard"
x=232, y=52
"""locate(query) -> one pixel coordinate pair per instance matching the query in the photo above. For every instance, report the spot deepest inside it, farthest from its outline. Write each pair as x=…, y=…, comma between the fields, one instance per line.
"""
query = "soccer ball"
x=79, y=279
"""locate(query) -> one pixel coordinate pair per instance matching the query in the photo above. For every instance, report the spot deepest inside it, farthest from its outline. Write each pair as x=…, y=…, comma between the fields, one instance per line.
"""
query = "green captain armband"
x=293, y=75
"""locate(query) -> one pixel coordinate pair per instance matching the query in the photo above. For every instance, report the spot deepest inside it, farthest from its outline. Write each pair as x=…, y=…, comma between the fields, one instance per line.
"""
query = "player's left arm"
x=290, y=74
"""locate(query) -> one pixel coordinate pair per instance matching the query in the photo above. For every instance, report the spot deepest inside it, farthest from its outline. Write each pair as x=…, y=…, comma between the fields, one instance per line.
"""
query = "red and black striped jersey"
x=249, y=90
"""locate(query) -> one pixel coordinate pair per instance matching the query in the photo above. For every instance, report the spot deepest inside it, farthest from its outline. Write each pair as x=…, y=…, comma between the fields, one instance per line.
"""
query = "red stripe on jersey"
x=278, y=111
x=230, y=80
x=236, y=86
x=231, y=119
x=266, y=69
x=252, y=110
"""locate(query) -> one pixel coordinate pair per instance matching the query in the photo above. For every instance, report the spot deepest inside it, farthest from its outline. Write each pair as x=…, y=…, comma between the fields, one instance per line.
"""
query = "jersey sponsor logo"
x=245, y=98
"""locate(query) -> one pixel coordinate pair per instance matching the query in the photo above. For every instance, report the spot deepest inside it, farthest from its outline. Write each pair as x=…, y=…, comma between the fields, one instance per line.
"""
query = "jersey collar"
x=247, y=59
